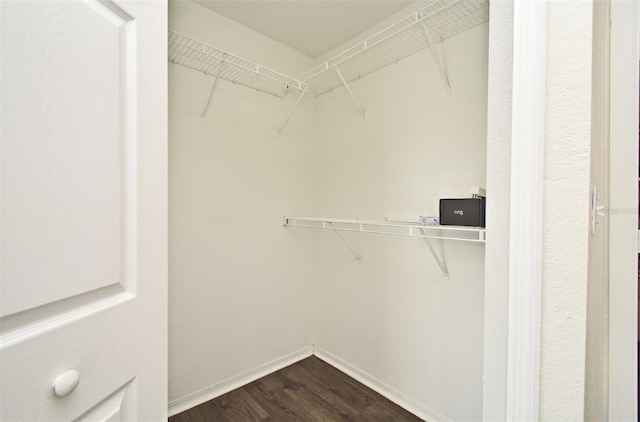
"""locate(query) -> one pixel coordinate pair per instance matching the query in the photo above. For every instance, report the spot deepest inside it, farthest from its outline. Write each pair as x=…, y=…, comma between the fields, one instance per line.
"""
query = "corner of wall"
x=498, y=188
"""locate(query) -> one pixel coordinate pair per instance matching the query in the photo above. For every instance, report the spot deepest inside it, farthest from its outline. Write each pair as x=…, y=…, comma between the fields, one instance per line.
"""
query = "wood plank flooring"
x=307, y=391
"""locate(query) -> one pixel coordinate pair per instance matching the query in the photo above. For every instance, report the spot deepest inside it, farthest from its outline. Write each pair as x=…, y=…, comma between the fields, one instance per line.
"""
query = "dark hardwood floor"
x=307, y=391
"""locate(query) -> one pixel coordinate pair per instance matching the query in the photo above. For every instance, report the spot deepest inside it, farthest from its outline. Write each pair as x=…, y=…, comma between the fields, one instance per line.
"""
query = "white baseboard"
x=401, y=399
x=223, y=387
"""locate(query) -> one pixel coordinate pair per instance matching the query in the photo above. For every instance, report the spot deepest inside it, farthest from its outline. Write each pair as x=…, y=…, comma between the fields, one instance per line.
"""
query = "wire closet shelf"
x=194, y=54
x=439, y=20
x=396, y=228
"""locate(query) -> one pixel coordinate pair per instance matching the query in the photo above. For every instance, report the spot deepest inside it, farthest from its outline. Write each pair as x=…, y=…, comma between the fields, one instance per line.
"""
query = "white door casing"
x=83, y=214
x=595, y=399
x=623, y=288
x=526, y=200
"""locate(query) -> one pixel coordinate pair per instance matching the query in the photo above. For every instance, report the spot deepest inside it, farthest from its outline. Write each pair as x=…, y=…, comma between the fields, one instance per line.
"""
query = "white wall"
x=496, y=289
x=392, y=316
x=239, y=284
x=575, y=123
x=245, y=291
x=566, y=210
x=566, y=190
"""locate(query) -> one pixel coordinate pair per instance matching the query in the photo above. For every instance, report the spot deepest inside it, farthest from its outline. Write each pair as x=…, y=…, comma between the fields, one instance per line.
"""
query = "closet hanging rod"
x=197, y=55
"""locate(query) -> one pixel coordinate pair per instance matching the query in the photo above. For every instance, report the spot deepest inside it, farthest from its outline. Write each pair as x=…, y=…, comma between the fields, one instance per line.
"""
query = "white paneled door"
x=83, y=211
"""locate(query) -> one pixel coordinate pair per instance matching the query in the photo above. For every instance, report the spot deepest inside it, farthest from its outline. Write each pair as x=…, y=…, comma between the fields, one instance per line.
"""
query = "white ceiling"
x=313, y=27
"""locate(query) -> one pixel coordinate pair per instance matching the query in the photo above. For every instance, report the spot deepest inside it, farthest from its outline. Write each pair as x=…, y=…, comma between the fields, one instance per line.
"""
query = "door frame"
x=525, y=233
x=523, y=361
x=623, y=213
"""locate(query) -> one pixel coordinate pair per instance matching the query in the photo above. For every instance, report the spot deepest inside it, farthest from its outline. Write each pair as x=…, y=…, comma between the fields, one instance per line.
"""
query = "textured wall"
x=496, y=289
x=566, y=210
x=239, y=285
x=392, y=315
x=243, y=289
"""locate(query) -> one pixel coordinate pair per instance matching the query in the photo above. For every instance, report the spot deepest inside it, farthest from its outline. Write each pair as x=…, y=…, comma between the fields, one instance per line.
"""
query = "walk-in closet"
x=296, y=186
x=232, y=210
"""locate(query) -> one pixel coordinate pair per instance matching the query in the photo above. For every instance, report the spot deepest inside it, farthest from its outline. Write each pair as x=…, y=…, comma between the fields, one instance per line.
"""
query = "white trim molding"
x=223, y=387
x=397, y=397
x=623, y=153
x=194, y=399
x=525, y=237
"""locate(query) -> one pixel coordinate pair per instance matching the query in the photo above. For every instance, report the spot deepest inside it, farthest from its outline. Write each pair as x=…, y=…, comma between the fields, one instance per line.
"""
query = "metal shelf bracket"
x=396, y=228
x=353, y=98
x=355, y=254
x=441, y=264
x=444, y=19
x=438, y=59
x=213, y=89
x=295, y=105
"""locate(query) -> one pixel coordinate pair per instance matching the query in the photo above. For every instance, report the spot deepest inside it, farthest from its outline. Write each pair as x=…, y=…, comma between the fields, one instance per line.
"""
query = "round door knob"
x=65, y=384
